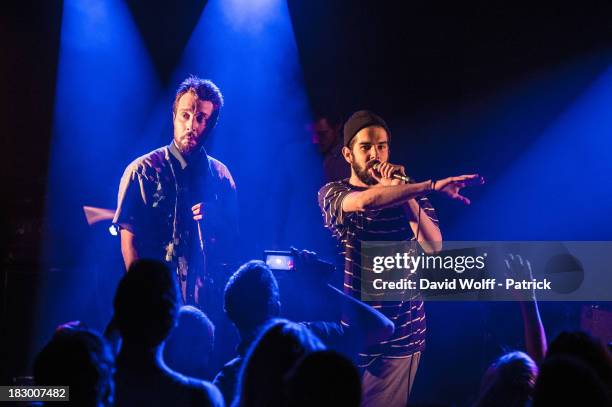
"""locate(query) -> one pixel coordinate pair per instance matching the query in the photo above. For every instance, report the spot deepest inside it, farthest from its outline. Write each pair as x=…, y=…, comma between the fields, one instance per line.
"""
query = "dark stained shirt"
x=155, y=197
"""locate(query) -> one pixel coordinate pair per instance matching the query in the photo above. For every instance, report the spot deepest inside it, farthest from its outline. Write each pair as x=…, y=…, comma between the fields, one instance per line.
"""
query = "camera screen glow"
x=280, y=262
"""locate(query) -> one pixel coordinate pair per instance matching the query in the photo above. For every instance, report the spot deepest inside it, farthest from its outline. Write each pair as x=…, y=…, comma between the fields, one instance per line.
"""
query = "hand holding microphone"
x=387, y=173
x=198, y=213
x=390, y=174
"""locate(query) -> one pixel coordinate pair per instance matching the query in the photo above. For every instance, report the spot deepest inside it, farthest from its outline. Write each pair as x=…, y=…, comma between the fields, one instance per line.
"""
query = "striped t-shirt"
x=390, y=224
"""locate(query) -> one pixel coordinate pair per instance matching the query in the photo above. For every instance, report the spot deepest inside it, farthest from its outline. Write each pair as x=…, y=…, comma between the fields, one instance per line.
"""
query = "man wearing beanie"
x=373, y=205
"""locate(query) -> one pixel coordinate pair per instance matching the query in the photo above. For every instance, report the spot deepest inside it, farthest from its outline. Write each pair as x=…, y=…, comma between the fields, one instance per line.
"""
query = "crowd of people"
x=156, y=353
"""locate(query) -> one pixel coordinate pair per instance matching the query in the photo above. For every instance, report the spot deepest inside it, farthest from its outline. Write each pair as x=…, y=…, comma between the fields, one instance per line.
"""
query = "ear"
x=347, y=154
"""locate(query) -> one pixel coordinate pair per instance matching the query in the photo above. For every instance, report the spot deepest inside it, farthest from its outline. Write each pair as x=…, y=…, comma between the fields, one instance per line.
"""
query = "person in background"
x=81, y=359
x=316, y=379
x=190, y=344
x=510, y=380
x=273, y=355
x=146, y=309
x=326, y=133
x=252, y=299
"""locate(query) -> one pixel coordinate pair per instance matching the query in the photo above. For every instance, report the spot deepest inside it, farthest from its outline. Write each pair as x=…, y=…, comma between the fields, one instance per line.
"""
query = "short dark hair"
x=269, y=360
x=315, y=381
x=251, y=295
x=194, y=334
x=569, y=381
x=204, y=89
x=587, y=348
x=81, y=359
x=146, y=303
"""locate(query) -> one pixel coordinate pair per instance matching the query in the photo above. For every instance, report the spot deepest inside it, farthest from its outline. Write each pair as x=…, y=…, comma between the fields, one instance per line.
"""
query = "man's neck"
x=186, y=159
x=138, y=355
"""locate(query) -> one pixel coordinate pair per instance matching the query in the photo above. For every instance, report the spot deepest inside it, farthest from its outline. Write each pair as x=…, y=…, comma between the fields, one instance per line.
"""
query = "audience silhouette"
x=146, y=309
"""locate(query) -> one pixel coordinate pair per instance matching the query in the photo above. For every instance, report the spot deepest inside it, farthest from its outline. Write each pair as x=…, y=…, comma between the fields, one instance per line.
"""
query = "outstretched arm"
x=384, y=196
x=366, y=326
x=535, y=336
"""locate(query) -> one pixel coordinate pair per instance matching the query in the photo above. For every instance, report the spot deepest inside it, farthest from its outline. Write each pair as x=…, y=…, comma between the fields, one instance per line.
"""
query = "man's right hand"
x=452, y=185
x=383, y=173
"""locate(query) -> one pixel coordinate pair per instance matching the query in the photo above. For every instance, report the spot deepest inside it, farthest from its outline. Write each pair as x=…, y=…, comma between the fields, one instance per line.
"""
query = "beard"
x=363, y=173
x=188, y=143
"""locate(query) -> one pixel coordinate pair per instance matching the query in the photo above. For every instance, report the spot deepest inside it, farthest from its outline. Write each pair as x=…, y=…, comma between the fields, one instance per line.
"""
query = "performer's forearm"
x=381, y=197
x=426, y=231
x=128, y=248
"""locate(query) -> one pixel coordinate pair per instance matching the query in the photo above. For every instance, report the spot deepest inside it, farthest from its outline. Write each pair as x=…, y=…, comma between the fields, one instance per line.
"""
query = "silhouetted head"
x=324, y=378
x=251, y=296
x=509, y=381
x=146, y=303
x=188, y=348
x=80, y=359
x=587, y=348
x=271, y=357
x=568, y=381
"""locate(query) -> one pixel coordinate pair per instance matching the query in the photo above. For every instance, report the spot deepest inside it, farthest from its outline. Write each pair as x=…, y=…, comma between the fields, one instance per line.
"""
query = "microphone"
x=200, y=236
x=374, y=164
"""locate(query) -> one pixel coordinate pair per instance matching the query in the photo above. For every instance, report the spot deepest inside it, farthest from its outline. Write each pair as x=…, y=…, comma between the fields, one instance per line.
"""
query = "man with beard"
x=177, y=203
x=374, y=206
x=326, y=134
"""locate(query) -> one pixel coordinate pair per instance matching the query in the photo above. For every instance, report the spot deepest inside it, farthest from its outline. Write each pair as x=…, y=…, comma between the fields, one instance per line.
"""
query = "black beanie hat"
x=360, y=120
